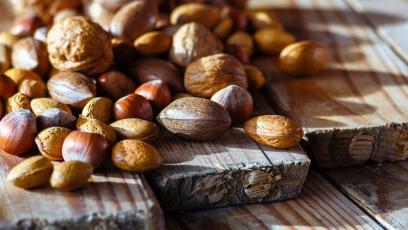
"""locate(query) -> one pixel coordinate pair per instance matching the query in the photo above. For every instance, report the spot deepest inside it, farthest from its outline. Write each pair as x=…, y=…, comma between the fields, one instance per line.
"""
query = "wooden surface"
x=231, y=170
x=347, y=109
x=319, y=206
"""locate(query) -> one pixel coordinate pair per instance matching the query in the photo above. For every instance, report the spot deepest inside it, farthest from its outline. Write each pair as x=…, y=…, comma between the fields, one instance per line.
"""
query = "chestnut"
x=7, y=87
x=114, y=84
x=156, y=92
x=133, y=106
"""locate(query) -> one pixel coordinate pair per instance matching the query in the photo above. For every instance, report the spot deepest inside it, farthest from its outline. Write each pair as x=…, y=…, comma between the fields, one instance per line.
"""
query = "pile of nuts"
x=64, y=78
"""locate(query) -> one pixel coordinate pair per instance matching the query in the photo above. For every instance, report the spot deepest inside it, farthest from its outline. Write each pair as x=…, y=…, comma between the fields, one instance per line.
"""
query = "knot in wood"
x=212, y=188
x=257, y=184
x=397, y=150
x=361, y=147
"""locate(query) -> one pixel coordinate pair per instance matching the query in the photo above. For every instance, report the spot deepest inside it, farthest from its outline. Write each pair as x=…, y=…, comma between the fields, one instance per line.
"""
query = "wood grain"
x=319, y=206
x=229, y=171
x=356, y=109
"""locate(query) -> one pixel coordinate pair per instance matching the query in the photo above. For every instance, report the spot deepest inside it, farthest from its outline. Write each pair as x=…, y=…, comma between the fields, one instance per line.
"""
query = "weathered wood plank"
x=356, y=109
x=231, y=170
x=380, y=189
x=113, y=200
x=320, y=205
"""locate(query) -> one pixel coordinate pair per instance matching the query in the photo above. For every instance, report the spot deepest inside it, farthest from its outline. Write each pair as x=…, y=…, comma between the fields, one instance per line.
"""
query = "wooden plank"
x=231, y=170
x=113, y=200
x=380, y=189
x=356, y=109
x=319, y=206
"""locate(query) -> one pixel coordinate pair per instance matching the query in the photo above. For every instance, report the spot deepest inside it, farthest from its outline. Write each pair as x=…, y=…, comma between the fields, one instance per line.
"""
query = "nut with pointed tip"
x=153, y=43
x=55, y=117
x=133, y=128
x=133, y=106
x=30, y=173
x=156, y=92
x=71, y=175
x=99, y=108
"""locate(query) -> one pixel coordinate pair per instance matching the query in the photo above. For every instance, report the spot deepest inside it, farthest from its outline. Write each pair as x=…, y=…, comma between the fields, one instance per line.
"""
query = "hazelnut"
x=16, y=102
x=135, y=156
x=7, y=87
x=32, y=88
x=193, y=41
x=123, y=52
x=153, y=43
x=26, y=24
x=133, y=106
x=133, y=128
x=19, y=75
x=261, y=19
x=156, y=92
x=91, y=125
x=71, y=175
x=30, y=54
x=7, y=39
x=271, y=41
x=55, y=118
x=237, y=101
x=31, y=172
x=39, y=105
x=207, y=75
x=78, y=44
x=195, y=119
x=303, y=58
x=114, y=84
x=99, y=108
x=195, y=12
x=17, y=132
x=149, y=69
x=5, y=58
x=49, y=142
x=40, y=34
x=243, y=40
x=134, y=19
x=223, y=28
x=90, y=148
x=72, y=89
x=256, y=79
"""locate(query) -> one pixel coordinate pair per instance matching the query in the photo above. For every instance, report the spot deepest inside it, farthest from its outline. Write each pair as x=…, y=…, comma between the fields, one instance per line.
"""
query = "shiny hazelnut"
x=5, y=58
x=114, y=84
x=256, y=78
x=19, y=75
x=17, y=132
x=90, y=148
x=195, y=12
x=16, y=102
x=63, y=14
x=237, y=101
x=271, y=41
x=133, y=106
x=156, y=92
x=55, y=118
x=39, y=105
x=7, y=87
x=153, y=43
x=99, y=108
x=32, y=88
x=26, y=24
x=71, y=175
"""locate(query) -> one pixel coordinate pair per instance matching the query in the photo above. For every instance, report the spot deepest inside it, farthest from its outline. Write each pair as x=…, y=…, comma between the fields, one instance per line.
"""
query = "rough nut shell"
x=274, y=130
x=55, y=118
x=32, y=88
x=195, y=12
x=99, y=108
x=133, y=128
x=71, y=175
x=92, y=125
x=16, y=102
x=32, y=172
x=39, y=105
x=49, y=142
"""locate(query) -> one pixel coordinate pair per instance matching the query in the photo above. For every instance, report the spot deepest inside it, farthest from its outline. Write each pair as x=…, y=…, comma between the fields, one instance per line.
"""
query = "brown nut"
x=72, y=89
x=1, y=109
x=5, y=58
x=261, y=19
x=135, y=156
x=78, y=44
x=26, y=24
x=237, y=101
x=19, y=75
x=123, y=52
x=195, y=119
x=150, y=69
x=115, y=85
x=90, y=148
x=153, y=43
x=71, y=175
x=243, y=40
x=7, y=39
x=271, y=41
x=91, y=125
x=134, y=19
x=238, y=16
x=99, y=108
x=49, y=142
x=133, y=128
x=98, y=14
x=133, y=106
x=32, y=88
x=193, y=41
x=55, y=118
x=195, y=12
x=274, y=130
x=156, y=92
x=207, y=75
x=223, y=28
x=113, y=5
x=17, y=132
x=7, y=87
x=303, y=58
x=32, y=172
x=30, y=54
x=256, y=79
x=16, y=102
x=39, y=105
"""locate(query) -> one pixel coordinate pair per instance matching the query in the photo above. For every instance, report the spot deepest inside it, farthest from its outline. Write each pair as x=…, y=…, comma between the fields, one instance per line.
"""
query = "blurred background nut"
x=78, y=44
x=55, y=118
x=123, y=52
x=7, y=87
x=32, y=88
x=92, y=125
x=63, y=14
x=272, y=41
x=260, y=19
x=40, y=34
x=49, y=142
x=243, y=40
x=133, y=106
x=193, y=41
x=112, y=5
x=16, y=102
x=26, y=24
x=19, y=75
x=114, y=84
x=223, y=28
x=97, y=13
x=39, y=105
x=156, y=92
x=256, y=79
x=153, y=43
x=5, y=58
x=99, y=108
x=195, y=12
x=7, y=39
x=133, y=128
x=238, y=16
x=71, y=175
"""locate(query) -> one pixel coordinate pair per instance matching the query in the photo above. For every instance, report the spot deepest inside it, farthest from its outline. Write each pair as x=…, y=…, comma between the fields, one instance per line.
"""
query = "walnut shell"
x=78, y=44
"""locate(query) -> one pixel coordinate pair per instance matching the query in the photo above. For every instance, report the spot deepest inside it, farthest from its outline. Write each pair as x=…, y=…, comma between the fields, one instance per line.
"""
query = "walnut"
x=78, y=44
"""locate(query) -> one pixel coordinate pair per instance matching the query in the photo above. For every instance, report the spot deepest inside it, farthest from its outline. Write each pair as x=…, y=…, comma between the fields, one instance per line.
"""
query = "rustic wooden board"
x=319, y=206
x=356, y=109
x=229, y=171
x=380, y=189
x=113, y=200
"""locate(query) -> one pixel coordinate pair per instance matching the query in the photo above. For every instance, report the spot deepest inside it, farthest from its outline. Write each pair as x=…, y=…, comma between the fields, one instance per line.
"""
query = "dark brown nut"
x=5, y=58
x=39, y=105
x=49, y=142
x=243, y=40
x=16, y=102
x=32, y=88
x=55, y=118
x=63, y=14
x=7, y=39
x=193, y=41
x=209, y=74
x=156, y=92
x=238, y=16
x=123, y=52
x=149, y=69
x=99, y=108
x=40, y=34
x=71, y=88
x=26, y=24
x=71, y=175
x=7, y=87
x=19, y=75
x=223, y=28
x=237, y=101
x=134, y=19
x=303, y=58
x=153, y=43
x=30, y=54
x=133, y=128
x=238, y=52
x=114, y=84
x=133, y=106
x=91, y=125
x=261, y=19
x=78, y=44
x=256, y=79
x=272, y=41
x=1, y=109
x=195, y=12
x=195, y=119
x=162, y=21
